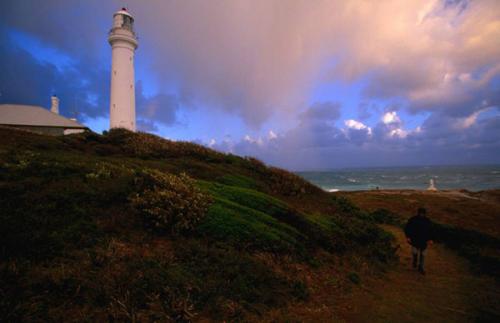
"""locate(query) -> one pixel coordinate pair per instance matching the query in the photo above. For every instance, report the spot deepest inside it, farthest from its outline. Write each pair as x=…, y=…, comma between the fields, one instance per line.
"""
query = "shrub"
x=101, y=171
x=344, y=205
x=289, y=184
x=256, y=165
x=169, y=202
x=384, y=216
x=148, y=146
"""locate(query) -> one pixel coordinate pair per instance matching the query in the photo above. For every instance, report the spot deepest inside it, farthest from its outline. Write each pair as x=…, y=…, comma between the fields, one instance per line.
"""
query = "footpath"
x=449, y=292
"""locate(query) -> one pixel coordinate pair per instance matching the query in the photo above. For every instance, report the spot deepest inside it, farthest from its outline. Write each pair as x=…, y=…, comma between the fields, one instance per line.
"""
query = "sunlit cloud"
x=391, y=117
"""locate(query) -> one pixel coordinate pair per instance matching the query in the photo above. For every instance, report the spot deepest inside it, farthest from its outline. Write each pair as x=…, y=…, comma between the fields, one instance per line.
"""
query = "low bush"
x=148, y=146
x=255, y=165
x=285, y=183
x=344, y=205
x=384, y=216
x=169, y=202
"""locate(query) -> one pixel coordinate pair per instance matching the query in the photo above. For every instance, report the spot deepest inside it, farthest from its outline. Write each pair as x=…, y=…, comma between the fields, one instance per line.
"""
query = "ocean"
x=472, y=178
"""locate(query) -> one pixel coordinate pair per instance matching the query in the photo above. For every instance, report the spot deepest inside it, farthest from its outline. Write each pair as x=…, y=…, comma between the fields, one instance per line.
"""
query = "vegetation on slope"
x=130, y=226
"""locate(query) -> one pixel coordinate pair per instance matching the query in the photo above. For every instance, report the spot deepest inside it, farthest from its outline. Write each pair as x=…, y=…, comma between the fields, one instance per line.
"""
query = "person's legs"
x=414, y=254
x=421, y=261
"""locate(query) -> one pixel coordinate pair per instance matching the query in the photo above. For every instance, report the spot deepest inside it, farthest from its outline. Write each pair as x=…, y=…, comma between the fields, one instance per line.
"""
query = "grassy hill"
x=131, y=227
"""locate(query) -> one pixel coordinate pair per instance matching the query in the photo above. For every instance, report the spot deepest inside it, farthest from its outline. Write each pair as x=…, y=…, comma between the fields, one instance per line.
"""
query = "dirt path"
x=448, y=293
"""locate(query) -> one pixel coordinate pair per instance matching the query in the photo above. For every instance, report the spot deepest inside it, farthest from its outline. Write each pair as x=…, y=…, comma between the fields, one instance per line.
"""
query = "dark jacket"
x=419, y=230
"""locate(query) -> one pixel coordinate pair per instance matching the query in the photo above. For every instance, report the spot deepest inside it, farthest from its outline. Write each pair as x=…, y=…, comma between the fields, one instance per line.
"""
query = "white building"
x=38, y=119
x=432, y=185
x=123, y=41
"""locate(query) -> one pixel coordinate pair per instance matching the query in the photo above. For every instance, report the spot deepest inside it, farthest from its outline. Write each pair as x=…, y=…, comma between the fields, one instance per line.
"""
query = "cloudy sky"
x=300, y=84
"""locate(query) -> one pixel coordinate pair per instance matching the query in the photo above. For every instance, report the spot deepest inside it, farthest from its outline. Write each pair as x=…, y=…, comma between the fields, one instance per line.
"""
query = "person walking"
x=418, y=231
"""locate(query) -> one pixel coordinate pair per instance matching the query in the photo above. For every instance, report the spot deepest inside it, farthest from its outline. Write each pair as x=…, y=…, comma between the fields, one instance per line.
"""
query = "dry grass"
x=448, y=293
x=474, y=211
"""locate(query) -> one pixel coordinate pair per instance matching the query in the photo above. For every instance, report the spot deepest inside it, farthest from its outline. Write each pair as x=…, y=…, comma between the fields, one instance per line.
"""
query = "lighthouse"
x=123, y=41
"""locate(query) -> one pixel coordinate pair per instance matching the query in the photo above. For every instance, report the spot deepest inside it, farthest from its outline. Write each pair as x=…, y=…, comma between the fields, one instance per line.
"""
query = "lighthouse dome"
x=123, y=11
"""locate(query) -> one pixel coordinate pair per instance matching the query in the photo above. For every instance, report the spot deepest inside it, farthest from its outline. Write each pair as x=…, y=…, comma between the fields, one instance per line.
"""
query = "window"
x=127, y=23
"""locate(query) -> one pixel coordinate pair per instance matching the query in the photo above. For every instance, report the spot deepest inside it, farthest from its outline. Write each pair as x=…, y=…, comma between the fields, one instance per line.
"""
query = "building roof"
x=30, y=115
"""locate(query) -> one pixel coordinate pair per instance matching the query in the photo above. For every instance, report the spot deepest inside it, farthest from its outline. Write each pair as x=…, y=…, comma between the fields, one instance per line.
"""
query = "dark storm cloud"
x=442, y=139
x=442, y=130
x=159, y=108
x=316, y=127
x=358, y=136
x=396, y=80
x=325, y=111
x=146, y=125
x=76, y=27
x=26, y=80
x=70, y=28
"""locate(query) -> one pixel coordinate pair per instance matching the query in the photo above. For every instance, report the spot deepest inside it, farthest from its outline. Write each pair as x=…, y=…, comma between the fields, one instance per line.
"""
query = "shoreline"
x=458, y=194
x=412, y=190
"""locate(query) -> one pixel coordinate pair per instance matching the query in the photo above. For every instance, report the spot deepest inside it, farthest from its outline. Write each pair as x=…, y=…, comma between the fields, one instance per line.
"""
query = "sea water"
x=472, y=178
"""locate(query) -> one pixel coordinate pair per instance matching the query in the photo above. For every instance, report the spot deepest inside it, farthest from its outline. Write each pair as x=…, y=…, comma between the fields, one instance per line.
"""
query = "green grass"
x=238, y=181
x=247, y=228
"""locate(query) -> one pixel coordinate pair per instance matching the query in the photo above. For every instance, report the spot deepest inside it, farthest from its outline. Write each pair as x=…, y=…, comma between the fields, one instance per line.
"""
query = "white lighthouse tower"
x=123, y=42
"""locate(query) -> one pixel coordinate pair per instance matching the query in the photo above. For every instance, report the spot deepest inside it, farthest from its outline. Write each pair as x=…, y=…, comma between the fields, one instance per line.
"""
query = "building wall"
x=53, y=131
x=71, y=131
